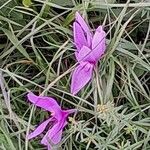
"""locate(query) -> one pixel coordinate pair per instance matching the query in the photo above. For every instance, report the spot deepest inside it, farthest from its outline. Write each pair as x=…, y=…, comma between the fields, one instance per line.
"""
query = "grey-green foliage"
x=7, y=9
x=37, y=54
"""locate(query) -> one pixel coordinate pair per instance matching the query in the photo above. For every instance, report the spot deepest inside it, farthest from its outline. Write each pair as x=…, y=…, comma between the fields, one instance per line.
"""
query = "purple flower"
x=55, y=123
x=90, y=49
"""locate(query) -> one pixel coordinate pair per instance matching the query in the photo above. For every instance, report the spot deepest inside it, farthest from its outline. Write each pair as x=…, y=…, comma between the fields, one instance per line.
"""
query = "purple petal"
x=46, y=103
x=81, y=21
x=70, y=111
x=83, y=53
x=98, y=44
x=49, y=147
x=79, y=36
x=54, y=135
x=88, y=55
x=81, y=76
x=85, y=27
x=39, y=129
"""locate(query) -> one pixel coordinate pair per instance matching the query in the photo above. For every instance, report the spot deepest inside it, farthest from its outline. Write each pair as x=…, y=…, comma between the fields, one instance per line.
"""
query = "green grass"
x=37, y=54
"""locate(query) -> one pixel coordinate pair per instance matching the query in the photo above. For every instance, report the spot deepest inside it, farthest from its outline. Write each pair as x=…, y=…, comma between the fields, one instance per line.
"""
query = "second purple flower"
x=55, y=123
x=90, y=48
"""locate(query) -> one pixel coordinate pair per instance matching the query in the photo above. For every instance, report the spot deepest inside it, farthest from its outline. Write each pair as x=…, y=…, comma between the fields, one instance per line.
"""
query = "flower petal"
x=85, y=27
x=46, y=103
x=54, y=135
x=69, y=111
x=79, y=36
x=81, y=21
x=49, y=147
x=81, y=76
x=83, y=53
x=98, y=44
x=39, y=129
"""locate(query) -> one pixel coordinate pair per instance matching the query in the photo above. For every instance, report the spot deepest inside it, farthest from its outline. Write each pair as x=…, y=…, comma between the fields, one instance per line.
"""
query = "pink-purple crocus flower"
x=55, y=123
x=90, y=48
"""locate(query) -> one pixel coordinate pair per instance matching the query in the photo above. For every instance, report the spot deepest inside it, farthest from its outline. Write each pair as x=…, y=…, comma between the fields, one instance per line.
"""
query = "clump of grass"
x=37, y=54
